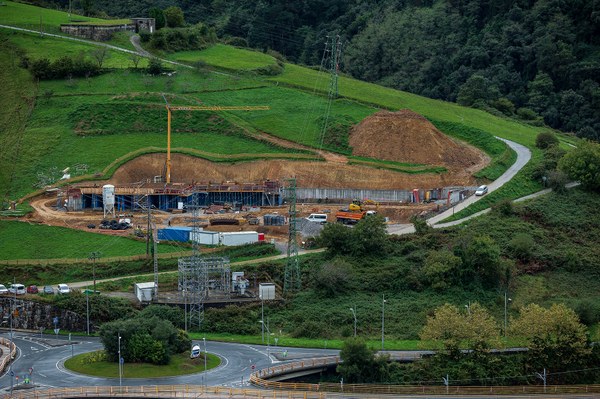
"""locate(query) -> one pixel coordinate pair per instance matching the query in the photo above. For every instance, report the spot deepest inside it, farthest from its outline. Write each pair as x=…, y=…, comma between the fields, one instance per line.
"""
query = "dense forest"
x=536, y=60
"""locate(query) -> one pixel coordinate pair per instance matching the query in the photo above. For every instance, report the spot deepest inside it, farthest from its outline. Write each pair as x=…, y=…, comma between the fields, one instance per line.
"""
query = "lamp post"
x=87, y=309
x=262, y=318
x=120, y=364
x=93, y=256
x=268, y=335
x=468, y=307
x=205, y=354
x=506, y=301
x=383, y=322
x=354, y=314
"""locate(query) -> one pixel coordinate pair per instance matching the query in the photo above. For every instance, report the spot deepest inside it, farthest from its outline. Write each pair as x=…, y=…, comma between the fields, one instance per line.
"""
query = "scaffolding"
x=197, y=278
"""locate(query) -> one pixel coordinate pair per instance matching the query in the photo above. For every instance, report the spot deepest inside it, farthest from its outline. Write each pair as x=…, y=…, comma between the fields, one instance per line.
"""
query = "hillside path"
x=135, y=41
x=142, y=53
x=523, y=156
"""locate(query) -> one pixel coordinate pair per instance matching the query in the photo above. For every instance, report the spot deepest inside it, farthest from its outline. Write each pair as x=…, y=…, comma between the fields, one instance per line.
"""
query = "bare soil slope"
x=308, y=174
x=406, y=136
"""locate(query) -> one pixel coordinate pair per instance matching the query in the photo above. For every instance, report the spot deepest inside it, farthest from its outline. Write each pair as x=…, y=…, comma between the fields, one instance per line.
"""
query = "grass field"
x=30, y=241
x=301, y=77
x=180, y=364
x=226, y=57
x=52, y=48
x=30, y=17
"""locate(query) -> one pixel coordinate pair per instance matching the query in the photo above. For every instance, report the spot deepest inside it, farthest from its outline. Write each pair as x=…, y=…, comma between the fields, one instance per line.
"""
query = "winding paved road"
x=523, y=156
x=46, y=355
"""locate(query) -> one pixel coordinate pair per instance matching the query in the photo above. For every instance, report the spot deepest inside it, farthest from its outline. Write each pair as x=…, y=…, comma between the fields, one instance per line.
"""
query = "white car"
x=3, y=289
x=63, y=289
x=481, y=190
x=18, y=289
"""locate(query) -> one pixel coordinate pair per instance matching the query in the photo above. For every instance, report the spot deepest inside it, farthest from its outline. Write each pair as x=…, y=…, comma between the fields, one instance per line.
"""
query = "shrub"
x=546, y=140
x=155, y=66
x=521, y=246
x=504, y=207
x=332, y=278
x=236, y=41
x=557, y=180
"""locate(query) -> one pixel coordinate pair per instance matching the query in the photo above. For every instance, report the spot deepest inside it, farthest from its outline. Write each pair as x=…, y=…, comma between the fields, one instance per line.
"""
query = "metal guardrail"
x=261, y=378
x=159, y=391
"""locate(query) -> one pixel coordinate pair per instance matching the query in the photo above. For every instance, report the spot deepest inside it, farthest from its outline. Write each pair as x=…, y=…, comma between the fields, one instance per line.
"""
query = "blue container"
x=175, y=233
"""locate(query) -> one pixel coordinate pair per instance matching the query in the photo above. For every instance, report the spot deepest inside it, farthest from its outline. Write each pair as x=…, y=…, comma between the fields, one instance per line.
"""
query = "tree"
x=481, y=260
x=155, y=66
x=332, y=278
x=369, y=236
x=100, y=54
x=476, y=89
x=442, y=269
x=545, y=140
x=174, y=17
x=159, y=17
x=583, y=164
x=360, y=364
x=337, y=238
x=454, y=328
x=143, y=339
x=555, y=337
x=135, y=59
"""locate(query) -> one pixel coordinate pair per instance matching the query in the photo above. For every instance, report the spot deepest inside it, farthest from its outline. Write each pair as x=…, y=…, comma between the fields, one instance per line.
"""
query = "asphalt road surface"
x=46, y=355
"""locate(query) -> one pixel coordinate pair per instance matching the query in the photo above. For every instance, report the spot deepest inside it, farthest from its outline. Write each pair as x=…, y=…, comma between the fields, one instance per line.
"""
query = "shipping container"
x=175, y=233
x=239, y=238
x=205, y=237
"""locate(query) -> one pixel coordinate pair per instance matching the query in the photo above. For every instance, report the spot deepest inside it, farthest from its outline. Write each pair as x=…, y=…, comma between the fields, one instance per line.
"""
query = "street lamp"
x=468, y=307
x=120, y=364
x=93, y=256
x=354, y=314
x=205, y=354
x=383, y=322
x=268, y=335
x=506, y=301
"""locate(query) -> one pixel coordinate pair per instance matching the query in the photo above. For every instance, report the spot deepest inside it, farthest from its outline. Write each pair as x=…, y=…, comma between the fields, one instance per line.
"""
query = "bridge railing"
x=159, y=391
x=262, y=378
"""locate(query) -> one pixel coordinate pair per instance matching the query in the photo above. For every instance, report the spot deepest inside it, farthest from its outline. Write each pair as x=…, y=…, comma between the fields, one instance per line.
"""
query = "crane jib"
x=221, y=108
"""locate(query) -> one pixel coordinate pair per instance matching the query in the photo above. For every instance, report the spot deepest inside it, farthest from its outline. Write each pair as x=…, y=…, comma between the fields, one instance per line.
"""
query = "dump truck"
x=347, y=216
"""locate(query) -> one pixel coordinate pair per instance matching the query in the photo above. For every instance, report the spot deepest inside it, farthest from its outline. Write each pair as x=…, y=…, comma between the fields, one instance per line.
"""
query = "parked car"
x=3, y=289
x=481, y=190
x=48, y=290
x=18, y=289
x=32, y=289
x=63, y=289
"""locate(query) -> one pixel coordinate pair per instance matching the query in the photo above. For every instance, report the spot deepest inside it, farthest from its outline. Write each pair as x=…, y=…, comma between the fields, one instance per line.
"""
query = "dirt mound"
x=308, y=174
x=406, y=136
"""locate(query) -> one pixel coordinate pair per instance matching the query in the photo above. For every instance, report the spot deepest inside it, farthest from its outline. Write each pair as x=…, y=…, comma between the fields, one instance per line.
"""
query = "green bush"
x=521, y=246
x=546, y=140
x=155, y=66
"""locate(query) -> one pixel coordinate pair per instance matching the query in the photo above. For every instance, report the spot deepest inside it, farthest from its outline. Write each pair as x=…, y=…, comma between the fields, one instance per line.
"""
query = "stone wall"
x=31, y=315
x=96, y=32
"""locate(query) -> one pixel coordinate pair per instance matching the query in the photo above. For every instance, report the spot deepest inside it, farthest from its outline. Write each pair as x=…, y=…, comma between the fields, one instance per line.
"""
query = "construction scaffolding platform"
x=173, y=196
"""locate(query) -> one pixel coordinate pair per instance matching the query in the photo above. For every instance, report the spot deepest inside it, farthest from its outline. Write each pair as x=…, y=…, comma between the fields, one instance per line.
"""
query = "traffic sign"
x=55, y=320
x=56, y=331
x=122, y=360
x=12, y=373
x=30, y=370
x=253, y=366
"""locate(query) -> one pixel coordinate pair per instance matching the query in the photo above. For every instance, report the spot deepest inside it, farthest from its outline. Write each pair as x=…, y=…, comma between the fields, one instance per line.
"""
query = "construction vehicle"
x=354, y=213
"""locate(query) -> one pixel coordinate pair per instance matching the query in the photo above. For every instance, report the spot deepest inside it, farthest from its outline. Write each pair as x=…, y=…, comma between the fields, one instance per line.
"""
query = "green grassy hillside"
x=31, y=241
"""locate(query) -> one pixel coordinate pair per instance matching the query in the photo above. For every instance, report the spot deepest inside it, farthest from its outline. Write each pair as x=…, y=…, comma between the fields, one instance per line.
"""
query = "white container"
x=205, y=237
x=266, y=291
x=143, y=291
x=239, y=238
x=108, y=194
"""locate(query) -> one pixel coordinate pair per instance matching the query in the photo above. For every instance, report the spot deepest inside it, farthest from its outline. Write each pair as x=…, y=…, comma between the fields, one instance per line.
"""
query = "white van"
x=18, y=289
x=317, y=217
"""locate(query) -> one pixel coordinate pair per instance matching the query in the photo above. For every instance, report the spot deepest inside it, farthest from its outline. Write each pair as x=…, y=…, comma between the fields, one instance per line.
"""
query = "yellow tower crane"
x=171, y=108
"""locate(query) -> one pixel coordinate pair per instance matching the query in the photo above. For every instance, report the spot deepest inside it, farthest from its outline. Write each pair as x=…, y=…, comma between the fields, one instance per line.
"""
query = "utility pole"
x=93, y=256
x=382, y=322
x=506, y=301
x=292, y=268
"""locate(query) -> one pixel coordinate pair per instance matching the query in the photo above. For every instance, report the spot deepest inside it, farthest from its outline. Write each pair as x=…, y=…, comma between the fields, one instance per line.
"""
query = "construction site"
x=191, y=200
